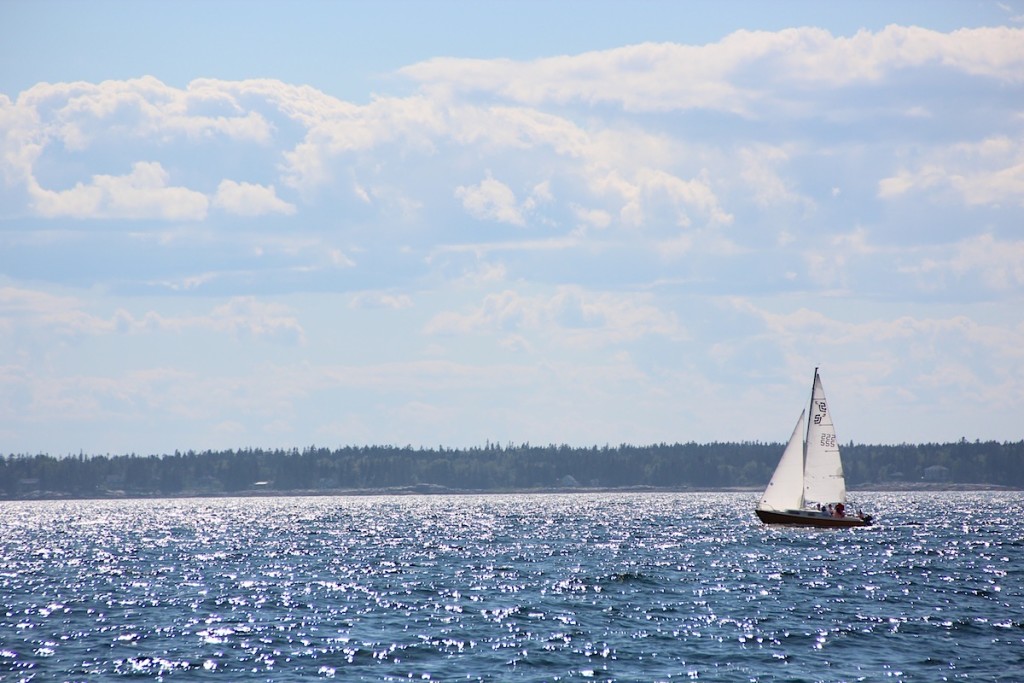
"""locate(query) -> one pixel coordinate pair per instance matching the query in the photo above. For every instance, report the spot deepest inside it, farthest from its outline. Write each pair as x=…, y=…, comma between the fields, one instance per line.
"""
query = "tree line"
x=491, y=467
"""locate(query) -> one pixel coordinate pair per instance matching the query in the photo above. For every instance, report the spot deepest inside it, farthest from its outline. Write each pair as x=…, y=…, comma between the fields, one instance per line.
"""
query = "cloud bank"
x=615, y=245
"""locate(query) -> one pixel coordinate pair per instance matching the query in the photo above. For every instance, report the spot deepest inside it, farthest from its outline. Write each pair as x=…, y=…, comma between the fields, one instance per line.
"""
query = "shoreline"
x=437, y=490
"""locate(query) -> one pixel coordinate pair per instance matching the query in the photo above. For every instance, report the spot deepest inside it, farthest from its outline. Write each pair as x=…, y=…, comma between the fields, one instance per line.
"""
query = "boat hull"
x=811, y=518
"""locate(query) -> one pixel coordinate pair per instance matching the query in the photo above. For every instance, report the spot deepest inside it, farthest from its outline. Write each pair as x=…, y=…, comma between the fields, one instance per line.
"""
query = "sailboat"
x=808, y=487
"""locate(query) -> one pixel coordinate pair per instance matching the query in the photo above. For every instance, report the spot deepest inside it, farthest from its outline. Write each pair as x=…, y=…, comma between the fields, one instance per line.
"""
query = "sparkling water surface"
x=624, y=587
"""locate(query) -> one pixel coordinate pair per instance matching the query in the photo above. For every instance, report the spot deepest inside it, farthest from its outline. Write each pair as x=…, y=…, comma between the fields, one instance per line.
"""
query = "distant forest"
x=490, y=468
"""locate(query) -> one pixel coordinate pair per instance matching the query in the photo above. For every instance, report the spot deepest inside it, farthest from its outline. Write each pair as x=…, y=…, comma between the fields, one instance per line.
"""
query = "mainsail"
x=823, y=468
x=786, y=489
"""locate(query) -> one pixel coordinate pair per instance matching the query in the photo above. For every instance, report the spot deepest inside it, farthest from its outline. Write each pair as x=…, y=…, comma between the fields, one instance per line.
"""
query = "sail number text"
x=828, y=440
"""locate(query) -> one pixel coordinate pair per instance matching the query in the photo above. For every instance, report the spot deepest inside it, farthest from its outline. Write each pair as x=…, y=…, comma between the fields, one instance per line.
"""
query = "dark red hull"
x=809, y=518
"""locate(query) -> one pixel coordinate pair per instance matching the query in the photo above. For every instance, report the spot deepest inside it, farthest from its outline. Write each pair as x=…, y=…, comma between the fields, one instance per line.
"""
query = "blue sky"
x=237, y=224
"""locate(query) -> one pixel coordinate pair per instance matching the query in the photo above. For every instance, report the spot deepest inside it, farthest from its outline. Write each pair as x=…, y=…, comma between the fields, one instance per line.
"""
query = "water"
x=624, y=587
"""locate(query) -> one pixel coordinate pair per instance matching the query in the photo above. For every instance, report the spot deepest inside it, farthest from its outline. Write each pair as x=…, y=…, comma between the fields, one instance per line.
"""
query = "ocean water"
x=608, y=587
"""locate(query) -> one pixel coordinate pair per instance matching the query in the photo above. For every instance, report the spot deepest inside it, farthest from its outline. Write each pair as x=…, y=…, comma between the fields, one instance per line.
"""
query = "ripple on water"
x=535, y=587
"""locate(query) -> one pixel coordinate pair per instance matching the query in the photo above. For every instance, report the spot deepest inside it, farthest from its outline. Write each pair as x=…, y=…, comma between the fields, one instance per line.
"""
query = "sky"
x=263, y=224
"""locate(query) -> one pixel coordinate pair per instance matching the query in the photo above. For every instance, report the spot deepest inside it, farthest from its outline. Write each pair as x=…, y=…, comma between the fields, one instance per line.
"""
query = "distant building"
x=936, y=473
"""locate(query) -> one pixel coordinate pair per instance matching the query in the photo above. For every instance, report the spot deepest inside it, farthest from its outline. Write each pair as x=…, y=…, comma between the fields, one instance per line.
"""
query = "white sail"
x=786, y=489
x=823, y=468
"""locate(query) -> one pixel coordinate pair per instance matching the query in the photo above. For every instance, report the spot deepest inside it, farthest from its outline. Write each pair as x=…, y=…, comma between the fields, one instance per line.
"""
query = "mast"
x=810, y=413
x=807, y=440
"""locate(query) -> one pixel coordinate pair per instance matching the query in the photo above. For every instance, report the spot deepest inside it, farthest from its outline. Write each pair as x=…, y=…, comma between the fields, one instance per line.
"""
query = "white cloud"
x=973, y=185
x=81, y=113
x=541, y=194
x=501, y=127
x=249, y=199
x=339, y=259
x=647, y=181
x=57, y=315
x=144, y=193
x=988, y=172
x=481, y=249
x=490, y=200
x=249, y=316
x=381, y=300
x=999, y=264
x=994, y=186
x=641, y=78
x=831, y=264
x=904, y=181
x=760, y=171
x=651, y=196
x=592, y=218
x=665, y=77
x=571, y=316
x=336, y=128
x=20, y=141
x=173, y=393
x=45, y=314
x=806, y=330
